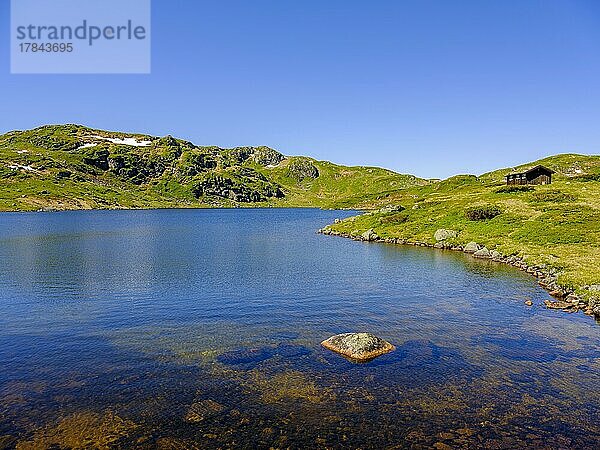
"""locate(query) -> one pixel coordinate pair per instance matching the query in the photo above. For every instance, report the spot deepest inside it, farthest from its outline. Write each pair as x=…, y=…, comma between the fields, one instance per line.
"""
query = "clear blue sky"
x=432, y=88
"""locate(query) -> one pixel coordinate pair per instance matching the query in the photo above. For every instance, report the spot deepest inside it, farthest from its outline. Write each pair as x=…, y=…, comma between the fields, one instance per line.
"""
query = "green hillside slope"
x=75, y=167
x=555, y=227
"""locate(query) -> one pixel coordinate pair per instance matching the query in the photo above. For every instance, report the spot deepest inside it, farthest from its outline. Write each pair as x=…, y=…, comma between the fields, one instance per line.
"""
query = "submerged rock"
x=250, y=357
x=204, y=409
x=7, y=441
x=291, y=351
x=81, y=430
x=358, y=346
x=243, y=356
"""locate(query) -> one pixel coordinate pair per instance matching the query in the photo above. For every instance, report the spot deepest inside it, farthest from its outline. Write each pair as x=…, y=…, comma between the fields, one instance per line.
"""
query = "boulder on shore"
x=442, y=234
x=594, y=306
x=557, y=305
x=359, y=347
x=369, y=235
x=472, y=247
x=482, y=253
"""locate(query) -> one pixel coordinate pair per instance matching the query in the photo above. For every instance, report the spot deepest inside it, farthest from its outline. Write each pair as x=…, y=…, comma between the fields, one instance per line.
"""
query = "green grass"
x=338, y=186
x=557, y=225
x=170, y=173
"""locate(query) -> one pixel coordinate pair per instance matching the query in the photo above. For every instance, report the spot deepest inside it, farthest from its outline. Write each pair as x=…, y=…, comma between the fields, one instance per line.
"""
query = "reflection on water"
x=196, y=329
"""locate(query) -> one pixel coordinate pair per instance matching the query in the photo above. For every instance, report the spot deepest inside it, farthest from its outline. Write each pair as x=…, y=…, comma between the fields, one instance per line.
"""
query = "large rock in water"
x=358, y=346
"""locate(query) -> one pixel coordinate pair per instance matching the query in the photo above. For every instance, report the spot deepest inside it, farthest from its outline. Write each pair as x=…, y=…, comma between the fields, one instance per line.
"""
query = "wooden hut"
x=535, y=175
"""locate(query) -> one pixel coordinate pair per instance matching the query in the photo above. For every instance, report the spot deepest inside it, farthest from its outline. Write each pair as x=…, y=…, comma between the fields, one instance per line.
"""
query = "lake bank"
x=552, y=229
x=564, y=298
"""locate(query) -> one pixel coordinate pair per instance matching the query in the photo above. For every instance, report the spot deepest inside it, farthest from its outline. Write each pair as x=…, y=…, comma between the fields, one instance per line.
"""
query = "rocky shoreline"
x=564, y=299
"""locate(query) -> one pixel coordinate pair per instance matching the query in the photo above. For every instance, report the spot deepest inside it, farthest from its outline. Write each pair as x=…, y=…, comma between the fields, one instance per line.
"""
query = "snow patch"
x=20, y=167
x=20, y=152
x=86, y=146
x=127, y=141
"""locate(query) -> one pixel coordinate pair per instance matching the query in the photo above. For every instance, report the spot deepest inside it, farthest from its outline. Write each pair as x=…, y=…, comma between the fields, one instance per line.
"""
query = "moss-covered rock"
x=302, y=168
x=443, y=234
x=266, y=156
x=242, y=185
x=358, y=346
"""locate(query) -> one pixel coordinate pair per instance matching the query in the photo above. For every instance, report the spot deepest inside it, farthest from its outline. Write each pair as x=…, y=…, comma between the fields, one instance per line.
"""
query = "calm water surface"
x=201, y=329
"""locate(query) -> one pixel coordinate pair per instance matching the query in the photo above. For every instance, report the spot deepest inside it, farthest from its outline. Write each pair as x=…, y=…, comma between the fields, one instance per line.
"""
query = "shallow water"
x=201, y=328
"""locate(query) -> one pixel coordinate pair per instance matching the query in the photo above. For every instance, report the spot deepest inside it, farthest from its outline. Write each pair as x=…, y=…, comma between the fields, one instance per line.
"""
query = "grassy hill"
x=75, y=167
x=555, y=226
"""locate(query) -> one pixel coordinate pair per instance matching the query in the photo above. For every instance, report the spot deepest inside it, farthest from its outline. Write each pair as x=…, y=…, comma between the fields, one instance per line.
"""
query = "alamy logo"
x=80, y=36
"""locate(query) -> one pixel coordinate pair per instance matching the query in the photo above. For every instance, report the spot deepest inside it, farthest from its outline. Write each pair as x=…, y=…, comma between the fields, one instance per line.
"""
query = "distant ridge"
x=76, y=167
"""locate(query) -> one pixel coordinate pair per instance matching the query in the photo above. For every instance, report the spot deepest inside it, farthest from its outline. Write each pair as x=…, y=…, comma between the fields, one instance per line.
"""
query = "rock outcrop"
x=302, y=168
x=359, y=347
x=243, y=185
x=266, y=156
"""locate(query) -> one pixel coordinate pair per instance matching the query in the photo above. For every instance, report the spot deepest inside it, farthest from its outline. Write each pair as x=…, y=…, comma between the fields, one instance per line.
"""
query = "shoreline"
x=182, y=208
x=565, y=299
